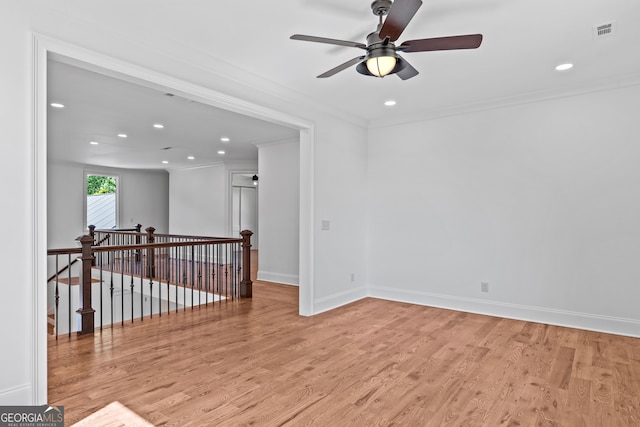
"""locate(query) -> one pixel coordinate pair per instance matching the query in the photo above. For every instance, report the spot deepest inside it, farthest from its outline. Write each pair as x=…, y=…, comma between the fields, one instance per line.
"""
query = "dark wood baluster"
x=185, y=268
x=111, y=264
x=193, y=266
x=200, y=276
x=122, y=289
x=69, y=278
x=169, y=280
x=150, y=295
x=57, y=297
x=176, y=272
x=226, y=270
x=214, y=278
x=101, y=255
x=141, y=299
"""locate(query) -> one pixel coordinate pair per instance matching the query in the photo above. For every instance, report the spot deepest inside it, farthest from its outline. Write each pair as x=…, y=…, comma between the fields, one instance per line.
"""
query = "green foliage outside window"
x=97, y=184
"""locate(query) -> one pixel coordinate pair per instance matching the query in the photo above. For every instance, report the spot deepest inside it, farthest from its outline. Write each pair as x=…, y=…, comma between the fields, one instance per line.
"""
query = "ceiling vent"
x=604, y=30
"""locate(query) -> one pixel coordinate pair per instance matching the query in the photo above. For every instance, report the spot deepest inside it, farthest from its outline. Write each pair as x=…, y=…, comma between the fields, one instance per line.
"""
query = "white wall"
x=279, y=211
x=538, y=200
x=340, y=197
x=197, y=201
x=143, y=199
x=17, y=372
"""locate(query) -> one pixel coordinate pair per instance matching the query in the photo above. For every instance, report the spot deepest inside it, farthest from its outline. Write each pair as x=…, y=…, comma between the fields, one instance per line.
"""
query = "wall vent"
x=604, y=30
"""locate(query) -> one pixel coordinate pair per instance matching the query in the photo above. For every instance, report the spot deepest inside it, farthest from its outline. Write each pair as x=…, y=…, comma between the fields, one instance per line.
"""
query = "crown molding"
x=512, y=101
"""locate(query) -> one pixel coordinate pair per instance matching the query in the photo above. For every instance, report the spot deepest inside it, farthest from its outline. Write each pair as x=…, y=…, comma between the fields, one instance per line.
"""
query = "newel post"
x=85, y=311
x=137, y=227
x=151, y=257
x=92, y=233
x=246, y=285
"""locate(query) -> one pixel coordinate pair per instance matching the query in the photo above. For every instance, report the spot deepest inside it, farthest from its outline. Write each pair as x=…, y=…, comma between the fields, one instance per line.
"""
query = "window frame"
x=91, y=172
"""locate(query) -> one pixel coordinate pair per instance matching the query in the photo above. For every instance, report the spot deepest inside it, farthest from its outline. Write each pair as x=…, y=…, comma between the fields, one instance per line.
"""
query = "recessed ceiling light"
x=221, y=152
x=165, y=161
x=93, y=142
x=122, y=135
x=564, y=67
x=158, y=126
x=225, y=139
x=390, y=103
x=191, y=158
x=57, y=105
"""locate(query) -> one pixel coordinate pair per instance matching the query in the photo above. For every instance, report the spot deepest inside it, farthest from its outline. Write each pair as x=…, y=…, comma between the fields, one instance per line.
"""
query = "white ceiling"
x=523, y=42
x=97, y=108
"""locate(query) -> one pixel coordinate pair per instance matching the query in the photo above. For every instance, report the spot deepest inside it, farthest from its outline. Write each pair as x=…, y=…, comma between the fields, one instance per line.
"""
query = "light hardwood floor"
x=256, y=362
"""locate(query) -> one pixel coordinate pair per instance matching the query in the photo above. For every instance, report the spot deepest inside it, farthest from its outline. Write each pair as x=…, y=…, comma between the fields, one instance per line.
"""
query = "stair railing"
x=181, y=269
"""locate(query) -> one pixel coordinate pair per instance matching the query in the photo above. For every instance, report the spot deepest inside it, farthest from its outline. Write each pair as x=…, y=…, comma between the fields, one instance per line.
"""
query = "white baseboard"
x=21, y=396
x=337, y=300
x=571, y=319
x=285, y=279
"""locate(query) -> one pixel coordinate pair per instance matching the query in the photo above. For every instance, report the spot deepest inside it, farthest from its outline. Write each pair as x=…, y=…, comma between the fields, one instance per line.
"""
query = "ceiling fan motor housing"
x=377, y=48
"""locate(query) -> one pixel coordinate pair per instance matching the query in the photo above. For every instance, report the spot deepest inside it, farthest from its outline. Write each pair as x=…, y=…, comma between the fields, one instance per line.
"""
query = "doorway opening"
x=46, y=48
x=244, y=206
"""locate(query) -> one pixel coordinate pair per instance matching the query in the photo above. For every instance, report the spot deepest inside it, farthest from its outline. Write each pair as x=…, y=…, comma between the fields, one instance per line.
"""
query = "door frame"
x=44, y=47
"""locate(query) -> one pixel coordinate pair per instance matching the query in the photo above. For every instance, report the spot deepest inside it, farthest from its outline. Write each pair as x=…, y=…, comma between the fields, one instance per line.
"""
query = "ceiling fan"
x=381, y=57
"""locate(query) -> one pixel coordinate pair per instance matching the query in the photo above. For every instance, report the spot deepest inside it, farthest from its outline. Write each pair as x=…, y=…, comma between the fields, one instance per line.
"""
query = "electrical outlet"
x=353, y=277
x=484, y=286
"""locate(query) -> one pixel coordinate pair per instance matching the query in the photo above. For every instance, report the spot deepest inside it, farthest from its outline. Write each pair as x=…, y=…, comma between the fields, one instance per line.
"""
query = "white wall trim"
x=338, y=300
x=571, y=319
x=16, y=395
x=307, y=219
x=277, y=142
x=38, y=292
x=285, y=279
x=44, y=46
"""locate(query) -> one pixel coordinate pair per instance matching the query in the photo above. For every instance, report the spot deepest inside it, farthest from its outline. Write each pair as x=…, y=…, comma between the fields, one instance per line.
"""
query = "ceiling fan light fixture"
x=381, y=66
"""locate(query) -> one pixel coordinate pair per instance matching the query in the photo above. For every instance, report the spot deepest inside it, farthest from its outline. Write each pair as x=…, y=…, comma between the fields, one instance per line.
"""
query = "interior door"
x=245, y=212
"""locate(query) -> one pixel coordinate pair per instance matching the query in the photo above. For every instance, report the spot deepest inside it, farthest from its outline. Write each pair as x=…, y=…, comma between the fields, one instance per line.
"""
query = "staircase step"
x=75, y=281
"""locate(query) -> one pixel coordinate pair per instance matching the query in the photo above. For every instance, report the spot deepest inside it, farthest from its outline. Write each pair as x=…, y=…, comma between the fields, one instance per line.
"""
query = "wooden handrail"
x=104, y=239
x=208, y=241
x=186, y=236
x=62, y=270
x=92, y=228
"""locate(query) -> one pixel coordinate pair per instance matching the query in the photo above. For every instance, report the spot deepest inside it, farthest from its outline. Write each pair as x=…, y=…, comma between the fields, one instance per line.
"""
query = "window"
x=102, y=201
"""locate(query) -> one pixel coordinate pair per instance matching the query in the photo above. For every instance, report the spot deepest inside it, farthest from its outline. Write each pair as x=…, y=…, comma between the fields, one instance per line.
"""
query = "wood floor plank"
x=370, y=363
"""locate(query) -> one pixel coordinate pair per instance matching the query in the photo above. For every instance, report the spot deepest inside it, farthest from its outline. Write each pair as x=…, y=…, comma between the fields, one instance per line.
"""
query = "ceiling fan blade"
x=400, y=14
x=470, y=41
x=407, y=71
x=327, y=41
x=341, y=67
